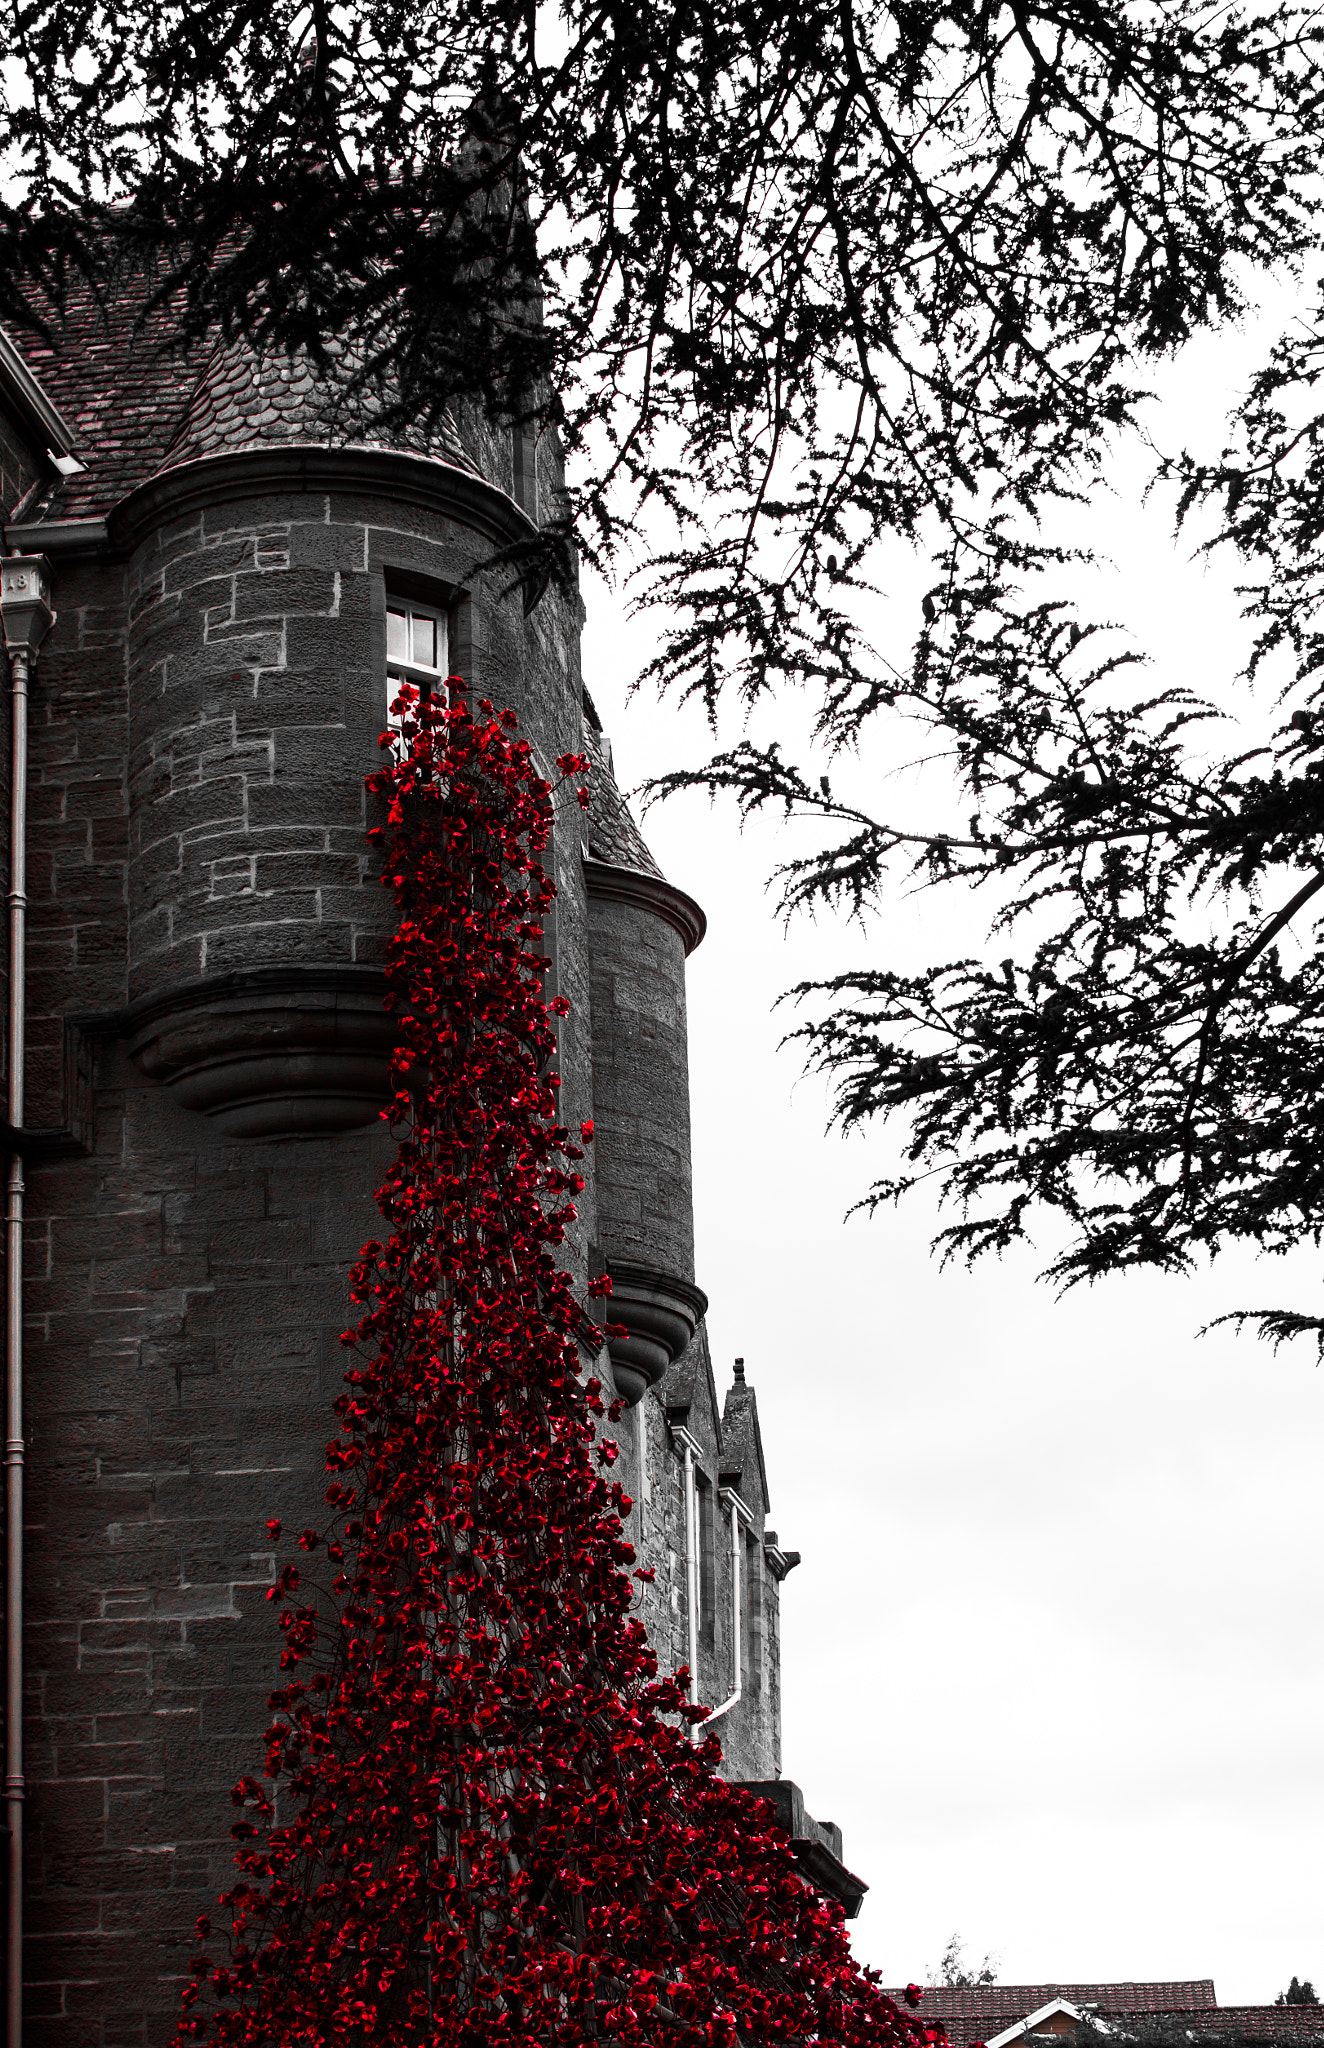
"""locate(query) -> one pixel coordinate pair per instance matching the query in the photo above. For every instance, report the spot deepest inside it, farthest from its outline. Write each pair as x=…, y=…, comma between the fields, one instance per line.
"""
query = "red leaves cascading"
x=483, y=1817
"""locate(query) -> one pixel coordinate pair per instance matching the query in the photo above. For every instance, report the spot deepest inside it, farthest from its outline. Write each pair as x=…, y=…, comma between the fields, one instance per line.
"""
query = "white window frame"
x=402, y=669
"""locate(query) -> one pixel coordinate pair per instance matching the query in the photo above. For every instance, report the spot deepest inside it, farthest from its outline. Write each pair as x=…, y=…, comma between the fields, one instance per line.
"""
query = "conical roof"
x=613, y=835
x=142, y=402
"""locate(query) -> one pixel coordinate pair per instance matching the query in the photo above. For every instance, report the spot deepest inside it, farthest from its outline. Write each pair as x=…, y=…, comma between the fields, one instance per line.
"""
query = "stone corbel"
x=270, y=1052
x=660, y=1312
x=778, y=1561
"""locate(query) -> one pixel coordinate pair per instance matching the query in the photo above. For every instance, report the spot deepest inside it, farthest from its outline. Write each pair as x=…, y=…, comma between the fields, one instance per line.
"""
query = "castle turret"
x=238, y=571
x=242, y=565
x=641, y=928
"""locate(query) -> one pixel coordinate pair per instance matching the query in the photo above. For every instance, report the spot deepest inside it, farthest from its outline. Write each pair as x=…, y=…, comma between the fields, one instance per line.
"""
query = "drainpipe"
x=687, y=1444
x=737, y=1510
x=25, y=590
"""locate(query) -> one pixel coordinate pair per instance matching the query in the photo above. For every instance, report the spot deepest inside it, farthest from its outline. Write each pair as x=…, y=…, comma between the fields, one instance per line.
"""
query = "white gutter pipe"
x=25, y=587
x=737, y=1510
x=687, y=1444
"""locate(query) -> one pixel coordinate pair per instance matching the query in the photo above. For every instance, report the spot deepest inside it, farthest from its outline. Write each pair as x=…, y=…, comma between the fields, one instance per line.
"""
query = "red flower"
x=487, y=1820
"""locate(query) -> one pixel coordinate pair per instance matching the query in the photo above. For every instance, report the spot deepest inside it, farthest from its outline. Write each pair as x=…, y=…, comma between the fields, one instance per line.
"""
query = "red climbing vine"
x=482, y=1817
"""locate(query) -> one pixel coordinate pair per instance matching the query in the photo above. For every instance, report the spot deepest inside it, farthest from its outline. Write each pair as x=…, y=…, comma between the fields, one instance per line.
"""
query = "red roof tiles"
x=980, y=2012
x=977, y=2012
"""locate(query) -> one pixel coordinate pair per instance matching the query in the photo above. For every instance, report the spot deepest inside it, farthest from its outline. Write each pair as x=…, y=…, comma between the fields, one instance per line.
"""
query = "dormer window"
x=417, y=649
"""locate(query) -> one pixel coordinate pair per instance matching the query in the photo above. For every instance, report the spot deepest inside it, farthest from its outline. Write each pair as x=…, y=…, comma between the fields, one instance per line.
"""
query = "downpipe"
x=688, y=1446
x=739, y=1515
x=25, y=590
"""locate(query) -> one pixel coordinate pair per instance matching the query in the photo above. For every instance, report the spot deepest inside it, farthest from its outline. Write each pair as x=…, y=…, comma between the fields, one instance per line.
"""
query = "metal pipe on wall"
x=27, y=618
x=689, y=1447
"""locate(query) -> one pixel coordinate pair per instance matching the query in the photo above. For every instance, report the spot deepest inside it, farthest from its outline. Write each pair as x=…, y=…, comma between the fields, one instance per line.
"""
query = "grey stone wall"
x=77, y=824
x=253, y=718
x=203, y=718
x=258, y=693
x=652, y=1466
x=257, y=696
x=641, y=1088
x=184, y=1301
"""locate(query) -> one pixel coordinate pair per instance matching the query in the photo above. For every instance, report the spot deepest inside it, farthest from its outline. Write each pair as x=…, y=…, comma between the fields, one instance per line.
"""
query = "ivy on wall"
x=483, y=1816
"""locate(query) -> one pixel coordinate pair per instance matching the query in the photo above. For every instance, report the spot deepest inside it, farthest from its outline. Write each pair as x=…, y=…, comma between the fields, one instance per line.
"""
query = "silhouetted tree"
x=956, y=1971
x=1298, y=1992
x=791, y=276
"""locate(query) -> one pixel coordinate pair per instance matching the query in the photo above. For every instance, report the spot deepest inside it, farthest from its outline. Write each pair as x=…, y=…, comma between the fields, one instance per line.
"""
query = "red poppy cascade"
x=482, y=1817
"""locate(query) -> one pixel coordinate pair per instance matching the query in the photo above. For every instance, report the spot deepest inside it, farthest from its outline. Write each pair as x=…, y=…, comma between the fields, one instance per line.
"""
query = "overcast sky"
x=1052, y=1660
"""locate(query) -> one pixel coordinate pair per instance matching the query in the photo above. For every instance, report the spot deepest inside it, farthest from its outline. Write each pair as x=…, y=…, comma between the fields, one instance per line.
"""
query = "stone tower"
x=232, y=573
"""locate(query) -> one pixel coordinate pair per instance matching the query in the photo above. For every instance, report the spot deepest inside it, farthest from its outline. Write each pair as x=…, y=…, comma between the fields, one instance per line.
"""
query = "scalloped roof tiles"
x=141, y=403
x=613, y=835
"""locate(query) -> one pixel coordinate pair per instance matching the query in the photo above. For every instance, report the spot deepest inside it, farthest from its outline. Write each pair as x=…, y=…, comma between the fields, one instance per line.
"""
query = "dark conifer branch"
x=782, y=280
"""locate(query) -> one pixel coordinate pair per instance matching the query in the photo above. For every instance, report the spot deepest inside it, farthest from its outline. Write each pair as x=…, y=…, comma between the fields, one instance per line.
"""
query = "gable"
x=744, y=1443
x=689, y=1395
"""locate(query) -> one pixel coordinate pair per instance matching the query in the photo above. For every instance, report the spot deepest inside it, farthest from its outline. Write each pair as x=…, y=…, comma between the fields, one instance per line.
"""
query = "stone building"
x=235, y=567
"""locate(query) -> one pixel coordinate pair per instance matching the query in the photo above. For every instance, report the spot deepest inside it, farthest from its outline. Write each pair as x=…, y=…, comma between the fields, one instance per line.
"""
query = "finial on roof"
x=740, y=1372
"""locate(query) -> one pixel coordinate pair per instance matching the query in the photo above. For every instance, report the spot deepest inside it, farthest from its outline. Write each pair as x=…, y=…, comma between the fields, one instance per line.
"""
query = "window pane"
x=425, y=641
x=397, y=636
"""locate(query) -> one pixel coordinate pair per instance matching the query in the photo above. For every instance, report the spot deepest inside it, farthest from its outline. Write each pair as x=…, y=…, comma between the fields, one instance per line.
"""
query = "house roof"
x=979, y=2012
x=1034, y=2020
x=1291, y=2023
x=122, y=400
x=38, y=417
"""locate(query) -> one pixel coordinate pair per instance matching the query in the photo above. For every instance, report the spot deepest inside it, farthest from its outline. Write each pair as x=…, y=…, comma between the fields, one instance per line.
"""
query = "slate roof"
x=977, y=2012
x=613, y=835
x=243, y=401
x=141, y=403
x=680, y=1384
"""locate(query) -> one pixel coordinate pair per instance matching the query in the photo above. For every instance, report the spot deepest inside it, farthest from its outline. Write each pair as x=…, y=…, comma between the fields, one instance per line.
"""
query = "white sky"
x=1053, y=1658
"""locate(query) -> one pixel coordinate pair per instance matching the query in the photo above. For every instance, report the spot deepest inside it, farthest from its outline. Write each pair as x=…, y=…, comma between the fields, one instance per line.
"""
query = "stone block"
x=329, y=546
x=291, y=594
